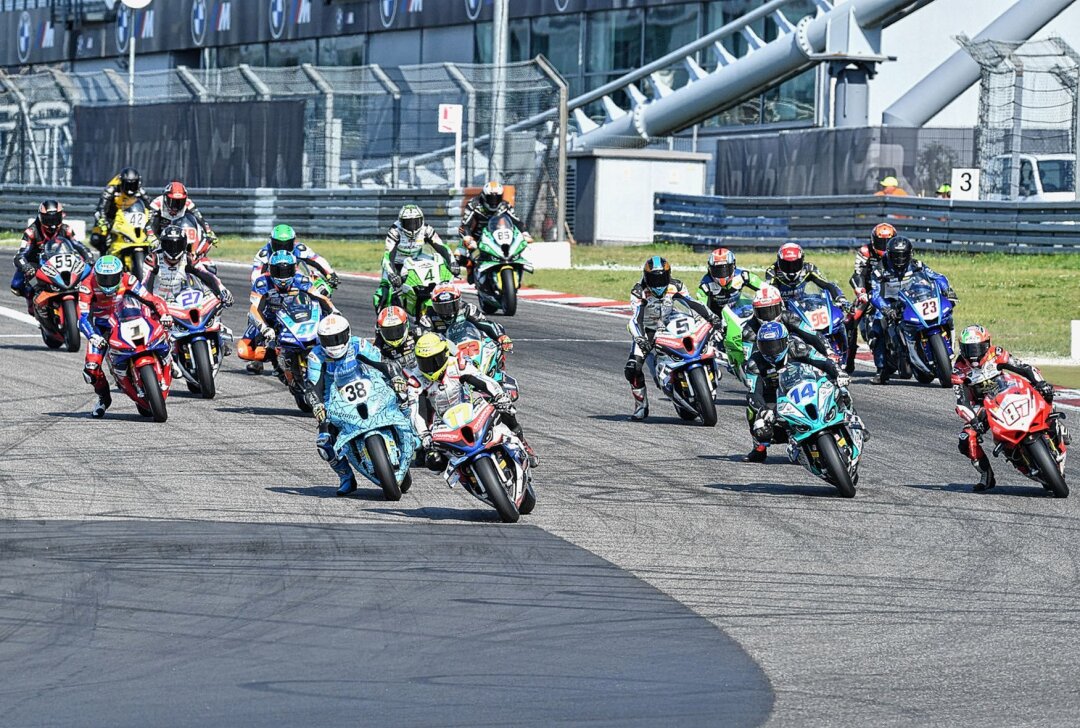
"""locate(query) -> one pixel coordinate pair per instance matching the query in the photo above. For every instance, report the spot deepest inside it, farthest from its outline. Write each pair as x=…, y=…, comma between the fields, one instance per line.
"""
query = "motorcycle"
x=486, y=458
x=297, y=322
x=197, y=337
x=737, y=347
x=500, y=265
x=373, y=433
x=1020, y=423
x=920, y=342
x=139, y=358
x=198, y=244
x=823, y=316
x=129, y=239
x=685, y=365
x=420, y=275
x=817, y=425
x=486, y=355
x=57, y=301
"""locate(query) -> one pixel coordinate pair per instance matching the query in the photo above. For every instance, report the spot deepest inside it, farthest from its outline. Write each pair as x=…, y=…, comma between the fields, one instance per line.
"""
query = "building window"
x=669, y=28
x=253, y=54
x=518, y=31
x=344, y=50
x=614, y=40
x=291, y=53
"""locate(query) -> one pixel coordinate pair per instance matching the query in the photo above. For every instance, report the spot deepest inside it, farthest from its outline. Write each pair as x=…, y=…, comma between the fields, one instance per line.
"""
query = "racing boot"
x=881, y=377
x=103, y=403
x=534, y=459
x=758, y=454
x=641, y=406
x=345, y=476
x=254, y=367
x=986, y=474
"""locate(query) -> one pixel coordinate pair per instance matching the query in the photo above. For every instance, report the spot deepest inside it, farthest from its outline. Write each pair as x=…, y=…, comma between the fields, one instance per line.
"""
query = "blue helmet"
x=108, y=272
x=773, y=341
x=282, y=268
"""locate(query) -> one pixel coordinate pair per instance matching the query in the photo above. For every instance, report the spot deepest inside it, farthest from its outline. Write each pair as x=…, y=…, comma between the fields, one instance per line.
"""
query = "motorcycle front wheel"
x=380, y=463
x=204, y=370
x=72, y=337
x=1038, y=453
x=833, y=463
x=152, y=390
x=706, y=407
x=942, y=362
x=486, y=475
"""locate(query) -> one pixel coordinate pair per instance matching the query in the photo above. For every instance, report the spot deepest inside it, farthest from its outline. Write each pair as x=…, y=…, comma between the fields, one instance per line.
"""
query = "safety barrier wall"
x=360, y=214
x=842, y=222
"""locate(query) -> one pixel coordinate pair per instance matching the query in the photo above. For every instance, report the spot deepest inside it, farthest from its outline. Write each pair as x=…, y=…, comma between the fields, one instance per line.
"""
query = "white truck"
x=1043, y=178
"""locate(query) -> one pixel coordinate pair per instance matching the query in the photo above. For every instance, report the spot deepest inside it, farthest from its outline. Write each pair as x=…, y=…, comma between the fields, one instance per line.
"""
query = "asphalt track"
x=916, y=602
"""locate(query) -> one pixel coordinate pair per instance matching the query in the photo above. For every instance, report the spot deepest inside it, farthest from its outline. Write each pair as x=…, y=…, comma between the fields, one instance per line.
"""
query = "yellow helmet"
x=432, y=356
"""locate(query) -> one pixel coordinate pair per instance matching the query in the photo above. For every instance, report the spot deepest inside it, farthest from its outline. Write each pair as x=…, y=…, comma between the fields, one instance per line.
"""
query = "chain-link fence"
x=1028, y=115
x=368, y=127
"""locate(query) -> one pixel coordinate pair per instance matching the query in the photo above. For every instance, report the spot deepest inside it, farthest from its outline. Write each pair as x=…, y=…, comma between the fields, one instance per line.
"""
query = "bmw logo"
x=561, y=5
x=24, y=37
x=472, y=8
x=387, y=12
x=123, y=28
x=198, y=22
x=277, y=18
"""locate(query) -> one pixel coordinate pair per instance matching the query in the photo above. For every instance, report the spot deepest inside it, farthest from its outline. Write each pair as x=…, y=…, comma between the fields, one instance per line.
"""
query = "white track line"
x=18, y=315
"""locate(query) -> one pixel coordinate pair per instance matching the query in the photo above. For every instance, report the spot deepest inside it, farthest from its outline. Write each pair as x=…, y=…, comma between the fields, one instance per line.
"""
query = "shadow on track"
x=433, y=513
x=652, y=420
x=1024, y=491
x=330, y=491
x=269, y=411
x=819, y=491
x=122, y=416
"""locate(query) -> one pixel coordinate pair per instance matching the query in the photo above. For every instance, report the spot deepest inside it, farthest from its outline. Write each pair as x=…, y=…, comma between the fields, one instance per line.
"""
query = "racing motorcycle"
x=197, y=337
x=823, y=316
x=57, y=300
x=129, y=239
x=920, y=342
x=139, y=358
x=500, y=265
x=738, y=347
x=420, y=275
x=1021, y=423
x=685, y=365
x=297, y=322
x=818, y=428
x=486, y=458
x=486, y=355
x=198, y=244
x=373, y=433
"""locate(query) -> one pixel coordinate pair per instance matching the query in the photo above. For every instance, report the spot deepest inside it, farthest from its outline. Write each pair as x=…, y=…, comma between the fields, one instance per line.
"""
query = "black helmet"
x=656, y=275
x=898, y=254
x=130, y=181
x=50, y=217
x=492, y=195
x=173, y=242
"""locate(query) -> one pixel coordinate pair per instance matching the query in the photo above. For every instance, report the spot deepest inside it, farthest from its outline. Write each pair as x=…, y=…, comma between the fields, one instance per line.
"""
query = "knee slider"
x=632, y=372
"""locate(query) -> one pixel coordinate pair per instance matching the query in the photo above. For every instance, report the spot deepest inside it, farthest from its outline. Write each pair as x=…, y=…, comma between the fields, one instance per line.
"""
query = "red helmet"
x=722, y=266
x=176, y=198
x=393, y=325
x=975, y=345
x=768, y=304
x=446, y=301
x=789, y=262
x=880, y=237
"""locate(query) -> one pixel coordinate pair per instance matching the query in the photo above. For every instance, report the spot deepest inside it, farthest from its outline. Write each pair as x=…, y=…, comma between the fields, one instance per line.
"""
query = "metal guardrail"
x=844, y=222
x=335, y=213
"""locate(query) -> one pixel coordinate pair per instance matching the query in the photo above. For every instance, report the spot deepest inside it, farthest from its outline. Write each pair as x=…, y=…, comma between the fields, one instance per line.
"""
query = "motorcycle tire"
x=487, y=307
x=50, y=341
x=833, y=463
x=72, y=337
x=509, y=291
x=152, y=390
x=138, y=258
x=204, y=370
x=942, y=362
x=1038, y=452
x=685, y=414
x=380, y=463
x=528, y=502
x=706, y=407
x=406, y=482
x=193, y=388
x=485, y=474
x=923, y=377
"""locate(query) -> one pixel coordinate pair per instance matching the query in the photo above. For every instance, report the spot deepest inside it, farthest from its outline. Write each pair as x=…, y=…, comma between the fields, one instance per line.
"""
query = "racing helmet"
x=108, y=273
x=282, y=237
x=722, y=266
x=50, y=217
x=773, y=341
x=393, y=325
x=790, y=263
x=898, y=254
x=173, y=243
x=768, y=304
x=491, y=196
x=282, y=269
x=130, y=181
x=880, y=237
x=975, y=344
x=334, y=335
x=446, y=301
x=432, y=356
x=176, y=199
x=656, y=275
x=410, y=220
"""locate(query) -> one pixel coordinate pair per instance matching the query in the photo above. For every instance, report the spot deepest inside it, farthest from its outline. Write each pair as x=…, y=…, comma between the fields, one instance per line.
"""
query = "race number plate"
x=928, y=309
x=355, y=391
x=819, y=318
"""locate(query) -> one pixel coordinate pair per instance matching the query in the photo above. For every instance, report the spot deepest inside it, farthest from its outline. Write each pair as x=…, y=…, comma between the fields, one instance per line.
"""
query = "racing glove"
x=227, y=297
x=28, y=270
x=891, y=315
x=426, y=442
x=324, y=446
x=951, y=295
x=318, y=411
x=506, y=343
x=334, y=280
x=455, y=269
x=167, y=321
x=642, y=343
x=393, y=279
x=843, y=379
x=503, y=404
x=268, y=334
x=97, y=342
x=1046, y=389
x=468, y=242
x=978, y=425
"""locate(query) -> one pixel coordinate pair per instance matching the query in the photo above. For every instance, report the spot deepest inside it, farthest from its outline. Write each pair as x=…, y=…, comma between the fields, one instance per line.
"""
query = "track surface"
x=916, y=602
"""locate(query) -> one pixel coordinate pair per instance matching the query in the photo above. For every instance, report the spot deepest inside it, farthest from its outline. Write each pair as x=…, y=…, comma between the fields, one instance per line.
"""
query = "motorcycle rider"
x=99, y=294
x=446, y=309
x=406, y=239
x=171, y=205
x=339, y=352
x=867, y=258
x=283, y=239
x=394, y=340
x=169, y=266
x=884, y=285
x=48, y=226
x=121, y=192
x=725, y=282
x=651, y=300
x=775, y=349
x=439, y=383
x=768, y=305
x=976, y=354
x=791, y=271
x=491, y=202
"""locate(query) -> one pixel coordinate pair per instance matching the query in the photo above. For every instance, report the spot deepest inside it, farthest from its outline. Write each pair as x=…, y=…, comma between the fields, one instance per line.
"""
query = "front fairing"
x=806, y=402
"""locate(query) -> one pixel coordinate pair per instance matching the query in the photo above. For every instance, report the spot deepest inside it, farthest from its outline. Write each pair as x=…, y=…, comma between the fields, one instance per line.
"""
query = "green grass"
x=1062, y=376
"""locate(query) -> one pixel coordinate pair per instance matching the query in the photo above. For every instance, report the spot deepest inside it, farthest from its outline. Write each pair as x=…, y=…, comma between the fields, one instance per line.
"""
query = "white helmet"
x=334, y=335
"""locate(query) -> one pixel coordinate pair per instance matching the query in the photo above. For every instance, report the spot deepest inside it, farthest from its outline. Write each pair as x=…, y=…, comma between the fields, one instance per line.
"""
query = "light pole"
x=132, y=5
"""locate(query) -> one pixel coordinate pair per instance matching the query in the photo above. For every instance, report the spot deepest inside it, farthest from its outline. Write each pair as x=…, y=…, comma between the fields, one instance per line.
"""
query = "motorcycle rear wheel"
x=384, y=470
x=942, y=362
x=72, y=337
x=152, y=390
x=833, y=462
x=204, y=370
x=484, y=472
x=703, y=398
x=1039, y=453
